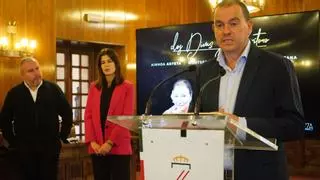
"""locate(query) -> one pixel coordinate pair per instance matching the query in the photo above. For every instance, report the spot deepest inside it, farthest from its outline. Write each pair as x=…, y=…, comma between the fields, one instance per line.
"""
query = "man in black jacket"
x=30, y=122
x=259, y=90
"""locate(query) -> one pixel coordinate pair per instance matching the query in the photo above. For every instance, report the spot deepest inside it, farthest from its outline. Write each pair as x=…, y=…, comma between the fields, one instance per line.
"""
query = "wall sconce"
x=9, y=47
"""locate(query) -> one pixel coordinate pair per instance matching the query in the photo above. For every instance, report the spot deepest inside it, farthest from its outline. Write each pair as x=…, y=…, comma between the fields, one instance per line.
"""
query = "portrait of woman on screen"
x=181, y=96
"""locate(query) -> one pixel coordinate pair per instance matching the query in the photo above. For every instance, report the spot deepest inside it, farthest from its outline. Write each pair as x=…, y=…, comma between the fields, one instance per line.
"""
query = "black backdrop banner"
x=164, y=51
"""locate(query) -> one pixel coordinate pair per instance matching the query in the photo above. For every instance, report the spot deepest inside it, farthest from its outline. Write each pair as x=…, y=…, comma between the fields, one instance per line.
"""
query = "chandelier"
x=252, y=5
x=9, y=47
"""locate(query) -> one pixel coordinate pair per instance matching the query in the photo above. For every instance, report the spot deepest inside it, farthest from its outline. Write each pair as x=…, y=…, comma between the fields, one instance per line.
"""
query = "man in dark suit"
x=30, y=122
x=259, y=90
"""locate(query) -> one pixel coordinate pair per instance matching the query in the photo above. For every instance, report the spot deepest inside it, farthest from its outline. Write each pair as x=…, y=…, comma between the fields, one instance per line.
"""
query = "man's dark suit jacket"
x=269, y=99
x=35, y=123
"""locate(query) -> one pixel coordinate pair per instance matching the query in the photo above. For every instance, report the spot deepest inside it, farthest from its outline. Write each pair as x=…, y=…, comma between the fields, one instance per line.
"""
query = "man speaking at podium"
x=259, y=90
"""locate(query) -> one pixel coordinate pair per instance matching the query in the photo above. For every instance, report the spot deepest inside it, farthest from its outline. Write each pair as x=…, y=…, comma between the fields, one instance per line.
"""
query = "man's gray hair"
x=27, y=59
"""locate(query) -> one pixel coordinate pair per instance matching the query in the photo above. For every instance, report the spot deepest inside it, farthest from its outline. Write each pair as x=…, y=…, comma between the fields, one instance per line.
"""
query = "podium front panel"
x=167, y=155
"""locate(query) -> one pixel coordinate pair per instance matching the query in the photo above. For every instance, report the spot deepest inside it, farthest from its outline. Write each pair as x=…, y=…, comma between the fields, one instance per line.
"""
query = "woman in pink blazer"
x=109, y=144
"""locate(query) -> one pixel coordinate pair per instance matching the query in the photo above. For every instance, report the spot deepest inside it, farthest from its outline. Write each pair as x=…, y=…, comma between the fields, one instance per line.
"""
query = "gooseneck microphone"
x=149, y=102
x=197, y=105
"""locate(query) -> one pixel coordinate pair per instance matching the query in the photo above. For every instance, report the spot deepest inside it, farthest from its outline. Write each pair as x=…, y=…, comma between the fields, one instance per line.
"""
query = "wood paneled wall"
x=150, y=13
x=288, y=6
x=47, y=20
x=35, y=20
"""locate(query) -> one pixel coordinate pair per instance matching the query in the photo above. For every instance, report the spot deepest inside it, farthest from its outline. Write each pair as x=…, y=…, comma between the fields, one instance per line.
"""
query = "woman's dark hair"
x=101, y=81
x=185, y=82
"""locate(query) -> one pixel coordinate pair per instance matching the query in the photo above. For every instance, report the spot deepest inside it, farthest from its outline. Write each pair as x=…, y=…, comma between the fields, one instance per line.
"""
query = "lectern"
x=190, y=147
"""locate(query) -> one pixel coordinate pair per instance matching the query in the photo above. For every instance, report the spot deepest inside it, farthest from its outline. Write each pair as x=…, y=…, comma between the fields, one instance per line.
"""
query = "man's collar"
x=27, y=85
x=244, y=55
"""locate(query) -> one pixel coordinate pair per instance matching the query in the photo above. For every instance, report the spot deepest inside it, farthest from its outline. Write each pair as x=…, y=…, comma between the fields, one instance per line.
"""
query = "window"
x=79, y=88
x=75, y=71
x=73, y=63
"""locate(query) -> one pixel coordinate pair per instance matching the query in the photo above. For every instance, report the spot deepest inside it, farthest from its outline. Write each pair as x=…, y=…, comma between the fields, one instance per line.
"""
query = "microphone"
x=149, y=102
x=222, y=72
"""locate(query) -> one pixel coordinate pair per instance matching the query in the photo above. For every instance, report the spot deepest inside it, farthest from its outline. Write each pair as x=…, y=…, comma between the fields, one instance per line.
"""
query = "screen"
x=296, y=36
x=164, y=51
